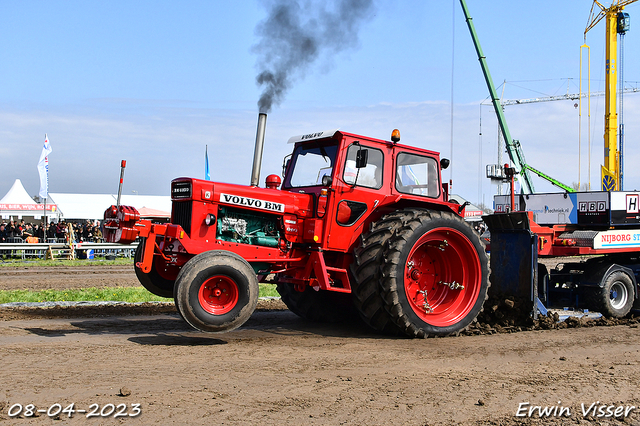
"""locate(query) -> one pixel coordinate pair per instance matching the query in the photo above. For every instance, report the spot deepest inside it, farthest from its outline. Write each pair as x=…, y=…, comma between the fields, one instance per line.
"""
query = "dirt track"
x=64, y=277
x=279, y=369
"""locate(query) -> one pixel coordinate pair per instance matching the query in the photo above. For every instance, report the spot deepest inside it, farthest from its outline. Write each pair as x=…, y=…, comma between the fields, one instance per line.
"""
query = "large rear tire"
x=216, y=291
x=436, y=275
x=366, y=272
x=317, y=306
x=153, y=281
x=422, y=272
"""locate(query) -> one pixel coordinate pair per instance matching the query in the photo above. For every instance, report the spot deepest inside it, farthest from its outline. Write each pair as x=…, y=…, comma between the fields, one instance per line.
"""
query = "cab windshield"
x=310, y=163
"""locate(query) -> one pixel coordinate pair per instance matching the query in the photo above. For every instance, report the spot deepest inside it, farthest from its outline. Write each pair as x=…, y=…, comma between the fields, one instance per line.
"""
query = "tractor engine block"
x=239, y=226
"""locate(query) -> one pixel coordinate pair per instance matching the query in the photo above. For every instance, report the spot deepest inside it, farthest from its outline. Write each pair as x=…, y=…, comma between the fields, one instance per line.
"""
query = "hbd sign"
x=632, y=203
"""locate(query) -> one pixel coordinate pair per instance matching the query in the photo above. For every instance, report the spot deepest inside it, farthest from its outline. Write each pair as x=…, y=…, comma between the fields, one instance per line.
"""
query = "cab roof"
x=328, y=134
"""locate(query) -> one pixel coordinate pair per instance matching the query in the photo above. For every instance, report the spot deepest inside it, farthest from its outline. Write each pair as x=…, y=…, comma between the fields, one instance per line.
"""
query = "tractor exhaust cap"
x=257, y=153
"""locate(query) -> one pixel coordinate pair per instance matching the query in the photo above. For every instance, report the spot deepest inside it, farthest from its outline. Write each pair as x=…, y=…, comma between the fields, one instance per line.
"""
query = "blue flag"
x=206, y=164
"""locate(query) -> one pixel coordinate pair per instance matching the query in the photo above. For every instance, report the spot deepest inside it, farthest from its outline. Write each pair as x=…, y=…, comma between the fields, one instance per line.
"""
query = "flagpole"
x=43, y=171
x=207, y=176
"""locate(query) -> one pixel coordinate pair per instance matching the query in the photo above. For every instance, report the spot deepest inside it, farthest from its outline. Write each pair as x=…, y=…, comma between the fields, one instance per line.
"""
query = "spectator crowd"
x=77, y=232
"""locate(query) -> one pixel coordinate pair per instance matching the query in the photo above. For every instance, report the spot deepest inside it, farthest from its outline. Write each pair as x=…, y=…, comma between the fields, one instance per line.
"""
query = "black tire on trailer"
x=615, y=298
x=153, y=281
x=317, y=306
x=543, y=273
x=435, y=276
x=368, y=297
x=216, y=291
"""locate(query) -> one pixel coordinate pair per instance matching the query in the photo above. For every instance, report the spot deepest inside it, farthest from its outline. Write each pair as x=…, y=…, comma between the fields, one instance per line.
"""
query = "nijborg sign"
x=238, y=200
x=617, y=239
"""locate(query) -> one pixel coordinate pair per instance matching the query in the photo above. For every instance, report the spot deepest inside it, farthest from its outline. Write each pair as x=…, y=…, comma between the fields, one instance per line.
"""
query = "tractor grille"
x=181, y=215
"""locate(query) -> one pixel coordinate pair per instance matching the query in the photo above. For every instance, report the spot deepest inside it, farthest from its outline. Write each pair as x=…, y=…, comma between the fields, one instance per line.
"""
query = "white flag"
x=43, y=168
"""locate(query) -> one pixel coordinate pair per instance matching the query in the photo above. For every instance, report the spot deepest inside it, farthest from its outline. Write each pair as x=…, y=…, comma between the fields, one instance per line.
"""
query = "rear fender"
x=596, y=276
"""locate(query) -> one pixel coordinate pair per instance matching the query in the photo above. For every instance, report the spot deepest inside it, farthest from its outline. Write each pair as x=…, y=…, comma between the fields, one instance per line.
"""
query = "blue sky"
x=154, y=82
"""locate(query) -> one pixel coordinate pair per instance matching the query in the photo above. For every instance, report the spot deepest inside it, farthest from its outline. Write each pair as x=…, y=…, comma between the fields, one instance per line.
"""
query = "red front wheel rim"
x=218, y=295
x=442, y=277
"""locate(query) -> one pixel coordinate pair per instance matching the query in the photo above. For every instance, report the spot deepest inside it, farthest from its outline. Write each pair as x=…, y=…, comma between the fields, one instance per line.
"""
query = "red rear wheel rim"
x=442, y=277
x=218, y=295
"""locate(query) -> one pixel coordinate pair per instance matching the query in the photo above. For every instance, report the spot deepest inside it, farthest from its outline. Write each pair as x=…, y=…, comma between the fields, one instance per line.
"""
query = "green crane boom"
x=550, y=179
x=513, y=146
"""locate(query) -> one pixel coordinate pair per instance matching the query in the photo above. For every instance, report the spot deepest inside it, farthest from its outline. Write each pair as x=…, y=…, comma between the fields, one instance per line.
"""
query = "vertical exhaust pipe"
x=257, y=153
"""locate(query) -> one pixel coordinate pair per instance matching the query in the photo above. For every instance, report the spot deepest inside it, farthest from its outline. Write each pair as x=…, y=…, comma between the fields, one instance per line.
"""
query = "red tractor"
x=356, y=224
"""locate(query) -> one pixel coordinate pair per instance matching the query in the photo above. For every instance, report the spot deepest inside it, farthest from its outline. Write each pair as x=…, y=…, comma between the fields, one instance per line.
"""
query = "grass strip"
x=78, y=262
x=107, y=294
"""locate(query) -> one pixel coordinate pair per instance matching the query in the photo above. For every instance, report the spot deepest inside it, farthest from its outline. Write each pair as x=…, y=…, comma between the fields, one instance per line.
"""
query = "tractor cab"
x=334, y=159
x=351, y=179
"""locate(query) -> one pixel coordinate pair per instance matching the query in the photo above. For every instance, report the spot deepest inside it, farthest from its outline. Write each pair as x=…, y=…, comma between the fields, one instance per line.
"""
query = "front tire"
x=216, y=291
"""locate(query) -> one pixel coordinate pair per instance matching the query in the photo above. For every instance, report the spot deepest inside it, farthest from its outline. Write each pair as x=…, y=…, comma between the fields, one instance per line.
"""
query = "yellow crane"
x=616, y=22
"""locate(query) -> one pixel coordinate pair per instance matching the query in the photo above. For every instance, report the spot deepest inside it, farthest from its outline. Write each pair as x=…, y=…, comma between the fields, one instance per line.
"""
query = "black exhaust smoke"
x=288, y=45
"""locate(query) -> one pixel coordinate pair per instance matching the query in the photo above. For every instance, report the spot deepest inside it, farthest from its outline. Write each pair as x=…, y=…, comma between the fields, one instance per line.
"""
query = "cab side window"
x=417, y=175
x=369, y=176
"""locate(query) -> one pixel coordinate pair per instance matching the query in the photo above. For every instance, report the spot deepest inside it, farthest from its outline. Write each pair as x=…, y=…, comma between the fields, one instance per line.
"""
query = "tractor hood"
x=246, y=197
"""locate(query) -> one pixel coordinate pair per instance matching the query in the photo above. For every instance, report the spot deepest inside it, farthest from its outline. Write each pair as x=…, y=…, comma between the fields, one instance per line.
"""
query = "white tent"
x=17, y=195
x=92, y=206
x=18, y=204
x=82, y=206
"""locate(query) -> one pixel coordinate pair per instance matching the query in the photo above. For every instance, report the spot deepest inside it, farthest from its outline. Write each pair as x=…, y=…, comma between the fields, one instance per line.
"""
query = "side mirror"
x=361, y=158
x=285, y=164
x=444, y=163
x=326, y=181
